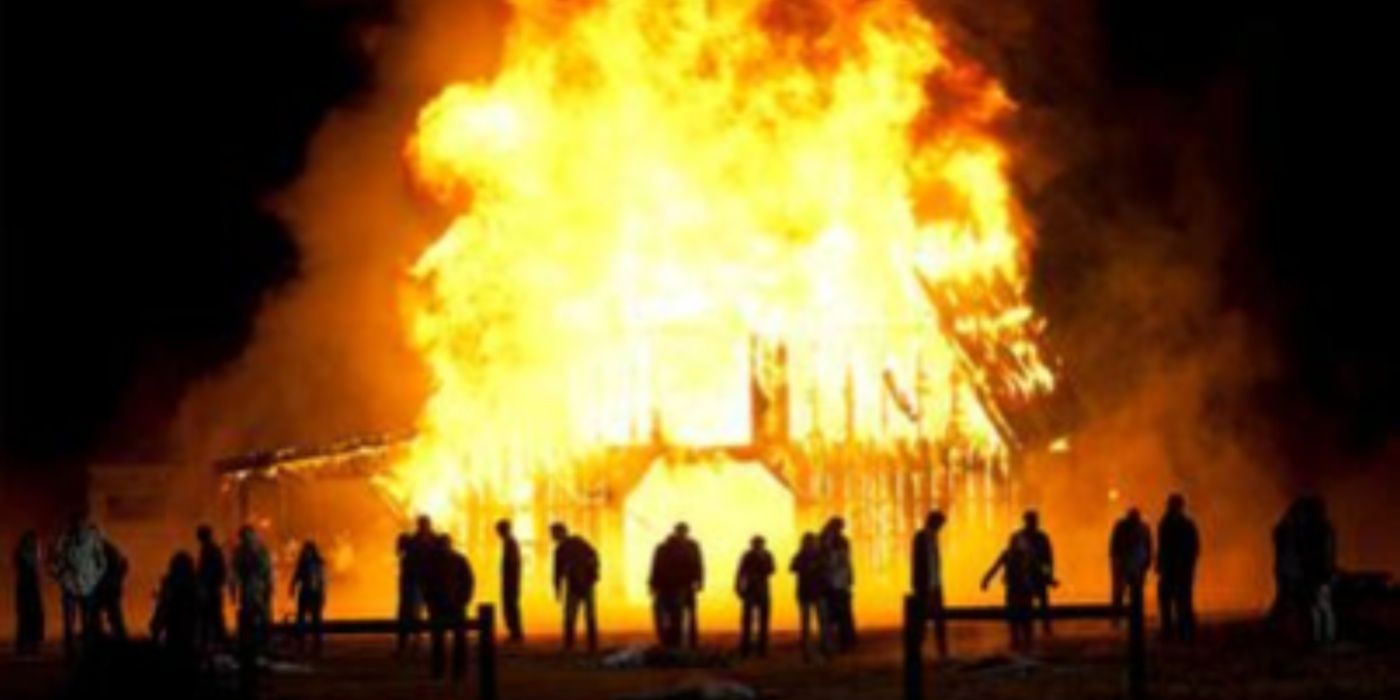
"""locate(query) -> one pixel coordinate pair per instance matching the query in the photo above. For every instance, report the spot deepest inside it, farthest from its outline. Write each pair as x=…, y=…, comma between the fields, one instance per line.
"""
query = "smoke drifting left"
x=328, y=355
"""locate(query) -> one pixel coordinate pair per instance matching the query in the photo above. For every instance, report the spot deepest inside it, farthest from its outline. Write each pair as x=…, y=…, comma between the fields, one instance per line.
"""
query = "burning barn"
x=744, y=264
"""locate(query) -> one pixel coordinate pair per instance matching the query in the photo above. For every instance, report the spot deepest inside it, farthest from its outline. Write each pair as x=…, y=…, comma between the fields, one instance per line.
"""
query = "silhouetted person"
x=1317, y=553
x=677, y=575
x=666, y=587
x=576, y=570
x=29, y=598
x=840, y=585
x=78, y=563
x=1042, y=565
x=413, y=551
x=1018, y=566
x=510, y=581
x=308, y=589
x=1178, y=547
x=212, y=575
x=927, y=576
x=110, y=590
x=1129, y=554
x=179, y=619
x=252, y=589
x=448, y=586
x=751, y=585
x=808, y=570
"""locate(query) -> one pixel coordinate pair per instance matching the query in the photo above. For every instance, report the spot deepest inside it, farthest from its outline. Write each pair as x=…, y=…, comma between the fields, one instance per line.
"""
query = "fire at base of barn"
x=626, y=499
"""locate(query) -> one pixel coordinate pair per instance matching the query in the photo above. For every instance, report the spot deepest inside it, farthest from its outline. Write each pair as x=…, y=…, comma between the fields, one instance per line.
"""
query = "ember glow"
x=658, y=205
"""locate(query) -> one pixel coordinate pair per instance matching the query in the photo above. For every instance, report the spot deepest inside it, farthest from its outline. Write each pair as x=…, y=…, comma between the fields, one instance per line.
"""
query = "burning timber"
x=882, y=487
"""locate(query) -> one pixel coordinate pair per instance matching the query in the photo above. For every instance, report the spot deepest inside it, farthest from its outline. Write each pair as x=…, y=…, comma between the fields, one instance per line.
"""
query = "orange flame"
x=646, y=189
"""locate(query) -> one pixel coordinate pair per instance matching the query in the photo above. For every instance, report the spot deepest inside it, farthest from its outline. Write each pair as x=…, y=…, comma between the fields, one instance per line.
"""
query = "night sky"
x=140, y=140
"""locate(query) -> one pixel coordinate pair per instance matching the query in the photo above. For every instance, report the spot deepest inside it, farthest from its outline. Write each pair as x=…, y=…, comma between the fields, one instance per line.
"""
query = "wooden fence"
x=917, y=619
x=483, y=625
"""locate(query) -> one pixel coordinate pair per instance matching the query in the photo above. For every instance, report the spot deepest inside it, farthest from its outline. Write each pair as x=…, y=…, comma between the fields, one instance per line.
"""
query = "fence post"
x=1137, y=645
x=913, y=648
x=486, y=628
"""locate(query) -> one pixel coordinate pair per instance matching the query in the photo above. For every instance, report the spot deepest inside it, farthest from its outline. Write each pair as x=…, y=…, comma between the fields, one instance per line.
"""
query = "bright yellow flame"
x=647, y=189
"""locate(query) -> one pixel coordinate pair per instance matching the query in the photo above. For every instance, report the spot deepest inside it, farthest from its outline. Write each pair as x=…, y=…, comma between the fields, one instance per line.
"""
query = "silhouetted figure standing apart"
x=576, y=570
x=927, y=577
x=807, y=569
x=413, y=552
x=751, y=585
x=448, y=587
x=212, y=574
x=1178, y=547
x=1129, y=554
x=308, y=589
x=29, y=598
x=510, y=582
x=179, y=618
x=1317, y=554
x=667, y=591
x=1018, y=565
x=78, y=563
x=840, y=585
x=110, y=590
x=252, y=589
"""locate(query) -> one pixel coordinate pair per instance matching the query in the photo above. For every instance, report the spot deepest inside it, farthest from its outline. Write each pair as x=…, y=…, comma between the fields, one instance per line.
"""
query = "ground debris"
x=701, y=688
x=655, y=656
x=1010, y=665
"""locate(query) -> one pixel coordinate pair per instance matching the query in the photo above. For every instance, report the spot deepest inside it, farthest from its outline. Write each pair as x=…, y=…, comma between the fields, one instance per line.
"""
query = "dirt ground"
x=1232, y=659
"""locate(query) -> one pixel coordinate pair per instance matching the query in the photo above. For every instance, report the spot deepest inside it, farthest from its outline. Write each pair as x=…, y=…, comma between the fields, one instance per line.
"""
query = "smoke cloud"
x=329, y=357
x=1135, y=191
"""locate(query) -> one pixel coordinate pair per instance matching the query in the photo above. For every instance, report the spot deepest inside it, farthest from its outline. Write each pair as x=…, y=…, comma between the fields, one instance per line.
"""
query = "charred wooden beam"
x=355, y=457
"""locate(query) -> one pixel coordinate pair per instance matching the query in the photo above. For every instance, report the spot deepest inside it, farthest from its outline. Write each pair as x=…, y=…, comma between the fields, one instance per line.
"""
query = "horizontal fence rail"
x=483, y=625
x=917, y=619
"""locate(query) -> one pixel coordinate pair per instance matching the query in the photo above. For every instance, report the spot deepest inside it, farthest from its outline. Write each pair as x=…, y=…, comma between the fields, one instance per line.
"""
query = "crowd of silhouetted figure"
x=90, y=572
x=438, y=578
x=436, y=585
x=188, y=620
